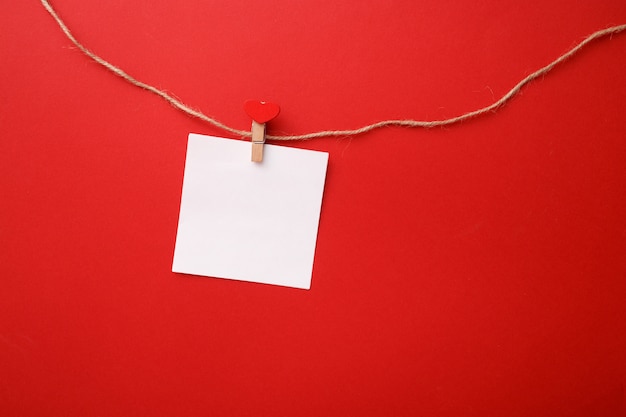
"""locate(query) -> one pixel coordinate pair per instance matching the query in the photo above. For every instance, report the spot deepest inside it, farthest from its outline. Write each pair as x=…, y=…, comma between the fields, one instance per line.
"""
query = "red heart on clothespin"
x=261, y=111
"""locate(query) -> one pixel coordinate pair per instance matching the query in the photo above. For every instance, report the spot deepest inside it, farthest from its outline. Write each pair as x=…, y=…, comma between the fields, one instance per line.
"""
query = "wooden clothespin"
x=261, y=112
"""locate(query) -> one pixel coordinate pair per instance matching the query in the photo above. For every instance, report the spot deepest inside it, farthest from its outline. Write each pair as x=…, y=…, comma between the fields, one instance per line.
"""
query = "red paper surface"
x=476, y=270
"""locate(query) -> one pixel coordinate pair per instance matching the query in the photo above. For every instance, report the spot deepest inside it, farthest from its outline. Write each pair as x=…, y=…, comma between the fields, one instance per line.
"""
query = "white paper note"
x=249, y=221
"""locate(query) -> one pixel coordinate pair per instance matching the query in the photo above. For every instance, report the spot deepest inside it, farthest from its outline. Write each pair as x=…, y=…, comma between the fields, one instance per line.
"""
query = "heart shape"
x=261, y=111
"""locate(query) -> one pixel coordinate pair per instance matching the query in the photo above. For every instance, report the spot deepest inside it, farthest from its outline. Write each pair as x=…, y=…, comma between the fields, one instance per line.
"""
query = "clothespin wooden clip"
x=258, y=139
x=261, y=112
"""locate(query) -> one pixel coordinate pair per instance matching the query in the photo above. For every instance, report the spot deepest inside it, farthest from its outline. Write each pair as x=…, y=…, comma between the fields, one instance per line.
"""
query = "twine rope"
x=333, y=133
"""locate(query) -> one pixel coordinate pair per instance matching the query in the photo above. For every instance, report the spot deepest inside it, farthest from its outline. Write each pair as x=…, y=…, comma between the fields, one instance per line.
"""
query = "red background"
x=476, y=270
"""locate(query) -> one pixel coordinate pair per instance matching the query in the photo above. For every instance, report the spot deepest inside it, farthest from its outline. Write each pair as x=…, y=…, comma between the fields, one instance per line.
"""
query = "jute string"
x=327, y=133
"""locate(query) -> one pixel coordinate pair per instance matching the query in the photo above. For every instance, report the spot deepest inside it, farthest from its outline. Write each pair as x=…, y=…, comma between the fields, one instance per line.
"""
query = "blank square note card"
x=249, y=221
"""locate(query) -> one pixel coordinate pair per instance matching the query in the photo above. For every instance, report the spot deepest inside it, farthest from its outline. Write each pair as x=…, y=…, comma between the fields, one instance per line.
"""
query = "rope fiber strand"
x=330, y=133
